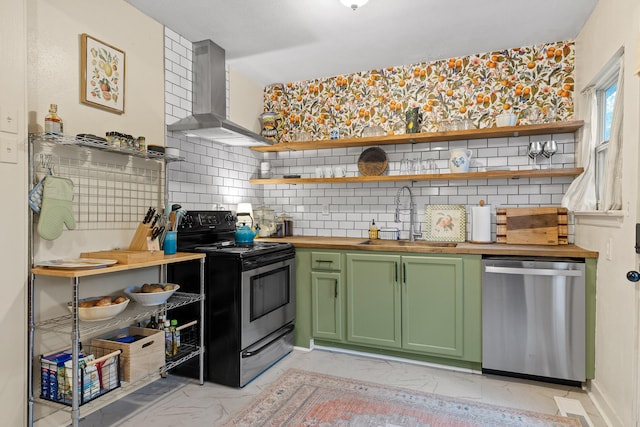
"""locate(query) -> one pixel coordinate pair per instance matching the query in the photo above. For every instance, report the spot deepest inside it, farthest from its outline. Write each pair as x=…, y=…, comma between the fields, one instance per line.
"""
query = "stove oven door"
x=268, y=300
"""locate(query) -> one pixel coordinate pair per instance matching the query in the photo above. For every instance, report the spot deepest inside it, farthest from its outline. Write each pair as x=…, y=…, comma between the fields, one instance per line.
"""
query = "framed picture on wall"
x=102, y=69
x=445, y=223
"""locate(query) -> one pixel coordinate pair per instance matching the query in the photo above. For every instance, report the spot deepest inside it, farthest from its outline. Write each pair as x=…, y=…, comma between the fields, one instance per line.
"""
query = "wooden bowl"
x=373, y=161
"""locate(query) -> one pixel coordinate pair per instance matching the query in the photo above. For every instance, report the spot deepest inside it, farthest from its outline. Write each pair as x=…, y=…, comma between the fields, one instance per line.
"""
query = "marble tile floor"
x=177, y=401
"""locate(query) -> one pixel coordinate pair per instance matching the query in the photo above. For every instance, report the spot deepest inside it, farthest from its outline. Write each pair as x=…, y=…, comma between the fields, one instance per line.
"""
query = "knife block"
x=142, y=239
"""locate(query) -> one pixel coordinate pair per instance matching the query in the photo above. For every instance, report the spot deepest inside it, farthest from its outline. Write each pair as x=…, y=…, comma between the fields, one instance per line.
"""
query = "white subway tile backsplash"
x=186, y=84
x=181, y=93
x=168, y=32
x=179, y=70
x=173, y=78
x=518, y=200
x=171, y=58
x=172, y=99
x=540, y=199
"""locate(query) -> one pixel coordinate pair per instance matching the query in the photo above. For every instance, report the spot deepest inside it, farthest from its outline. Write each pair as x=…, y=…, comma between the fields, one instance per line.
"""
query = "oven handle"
x=250, y=353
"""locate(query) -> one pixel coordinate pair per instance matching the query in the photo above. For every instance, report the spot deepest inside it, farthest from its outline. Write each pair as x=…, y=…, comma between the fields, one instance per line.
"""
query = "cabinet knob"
x=633, y=276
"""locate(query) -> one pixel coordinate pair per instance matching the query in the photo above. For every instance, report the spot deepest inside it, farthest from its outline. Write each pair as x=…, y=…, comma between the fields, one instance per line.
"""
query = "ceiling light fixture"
x=354, y=4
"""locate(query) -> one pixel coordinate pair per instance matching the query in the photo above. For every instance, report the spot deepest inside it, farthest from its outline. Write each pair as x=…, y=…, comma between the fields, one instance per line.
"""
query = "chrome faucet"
x=411, y=211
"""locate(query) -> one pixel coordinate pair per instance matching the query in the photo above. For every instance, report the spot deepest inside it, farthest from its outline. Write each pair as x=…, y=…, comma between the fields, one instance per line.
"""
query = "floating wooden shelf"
x=502, y=132
x=532, y=173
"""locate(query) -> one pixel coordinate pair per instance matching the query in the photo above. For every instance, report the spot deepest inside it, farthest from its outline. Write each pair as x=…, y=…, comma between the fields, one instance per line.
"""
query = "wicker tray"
x=373, y=162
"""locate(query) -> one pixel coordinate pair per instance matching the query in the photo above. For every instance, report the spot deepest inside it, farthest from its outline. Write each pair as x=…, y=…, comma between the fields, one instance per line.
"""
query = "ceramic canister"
x=459, y=160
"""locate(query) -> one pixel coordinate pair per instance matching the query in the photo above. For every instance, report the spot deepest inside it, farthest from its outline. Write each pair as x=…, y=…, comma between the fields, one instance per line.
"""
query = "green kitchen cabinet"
x=373, y=300
x=327, y=296
x=424, y=304
x=432, y=305
x=302, y=331
x=320, y=296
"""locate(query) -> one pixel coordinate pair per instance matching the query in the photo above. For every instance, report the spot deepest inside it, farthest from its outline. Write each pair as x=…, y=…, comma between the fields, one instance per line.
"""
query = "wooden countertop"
x=350, y=243
x=166, y=259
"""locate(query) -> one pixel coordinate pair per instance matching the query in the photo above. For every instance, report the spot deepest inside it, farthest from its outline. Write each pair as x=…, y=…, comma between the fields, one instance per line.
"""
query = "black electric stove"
x=213, y=232
x=249, y=297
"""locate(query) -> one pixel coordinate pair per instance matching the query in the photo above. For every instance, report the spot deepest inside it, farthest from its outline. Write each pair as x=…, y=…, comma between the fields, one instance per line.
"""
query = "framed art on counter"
x=445, y=223
x=102, y=73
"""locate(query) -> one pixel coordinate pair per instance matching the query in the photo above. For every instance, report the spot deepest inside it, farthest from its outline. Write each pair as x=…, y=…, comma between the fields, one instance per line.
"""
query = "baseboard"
x=573, y=408
x=57, y=419
x=395, y=359
x=602, y=405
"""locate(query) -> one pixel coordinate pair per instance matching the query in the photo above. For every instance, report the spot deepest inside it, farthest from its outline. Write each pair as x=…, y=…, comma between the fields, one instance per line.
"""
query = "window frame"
x=609, y=79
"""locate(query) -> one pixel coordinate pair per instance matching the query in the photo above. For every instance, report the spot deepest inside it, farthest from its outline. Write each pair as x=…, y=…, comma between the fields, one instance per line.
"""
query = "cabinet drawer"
x=325, y=261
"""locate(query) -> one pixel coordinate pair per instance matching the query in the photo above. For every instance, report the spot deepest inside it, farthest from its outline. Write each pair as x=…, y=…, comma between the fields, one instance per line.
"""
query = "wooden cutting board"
x=125, y=256
x=532, y=226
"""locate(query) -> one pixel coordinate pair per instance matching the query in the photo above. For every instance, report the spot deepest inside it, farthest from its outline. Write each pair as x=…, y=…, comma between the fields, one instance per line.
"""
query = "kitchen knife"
x=155, y=219
x=156, y=232
x=149, y=215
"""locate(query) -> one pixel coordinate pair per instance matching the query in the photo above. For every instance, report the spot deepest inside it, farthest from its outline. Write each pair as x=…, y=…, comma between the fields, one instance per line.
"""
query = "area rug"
x=301, y=398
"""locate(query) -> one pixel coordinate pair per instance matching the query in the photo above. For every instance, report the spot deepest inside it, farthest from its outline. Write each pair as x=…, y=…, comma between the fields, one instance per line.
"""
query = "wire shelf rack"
x=113, y=186
x=133, y=313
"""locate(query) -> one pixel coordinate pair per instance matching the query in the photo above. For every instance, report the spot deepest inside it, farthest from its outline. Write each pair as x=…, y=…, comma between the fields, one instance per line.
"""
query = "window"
x=605, y=98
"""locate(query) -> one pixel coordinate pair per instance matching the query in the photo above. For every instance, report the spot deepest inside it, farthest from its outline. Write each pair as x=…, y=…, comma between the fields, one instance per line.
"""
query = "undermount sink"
x=382, y=242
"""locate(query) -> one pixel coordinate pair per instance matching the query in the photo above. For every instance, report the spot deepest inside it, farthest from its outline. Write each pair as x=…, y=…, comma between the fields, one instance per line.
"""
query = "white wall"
x=13, y=251
x=53, y=58
x=54, y=77
x=54, y=72
x=613, y=24
x=246, y=103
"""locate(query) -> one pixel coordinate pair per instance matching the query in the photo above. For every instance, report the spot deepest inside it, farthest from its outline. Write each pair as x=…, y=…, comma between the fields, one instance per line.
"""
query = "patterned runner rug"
x=301, y=398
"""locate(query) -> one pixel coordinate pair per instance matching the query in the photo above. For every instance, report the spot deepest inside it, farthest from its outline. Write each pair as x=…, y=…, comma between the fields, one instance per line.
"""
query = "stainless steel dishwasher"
x=533, y=318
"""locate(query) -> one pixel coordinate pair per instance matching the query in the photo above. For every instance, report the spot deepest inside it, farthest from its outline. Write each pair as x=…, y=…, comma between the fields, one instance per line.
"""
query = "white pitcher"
x=459, y=160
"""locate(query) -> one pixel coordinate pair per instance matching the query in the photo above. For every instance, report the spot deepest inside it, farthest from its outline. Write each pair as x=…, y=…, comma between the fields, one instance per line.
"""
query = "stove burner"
x=231, y=247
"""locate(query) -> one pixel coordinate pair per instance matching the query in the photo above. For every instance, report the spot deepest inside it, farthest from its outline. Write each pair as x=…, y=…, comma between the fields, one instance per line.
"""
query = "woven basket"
x=372, y=162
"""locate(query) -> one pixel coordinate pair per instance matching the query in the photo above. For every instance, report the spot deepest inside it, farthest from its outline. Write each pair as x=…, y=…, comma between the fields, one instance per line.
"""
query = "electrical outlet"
x=609, y=249
x=8, y=120
x=325, y=210
x=8, y=149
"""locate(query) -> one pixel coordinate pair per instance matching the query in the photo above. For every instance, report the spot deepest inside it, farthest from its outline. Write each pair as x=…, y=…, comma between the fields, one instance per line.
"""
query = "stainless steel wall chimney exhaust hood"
x=209, y=105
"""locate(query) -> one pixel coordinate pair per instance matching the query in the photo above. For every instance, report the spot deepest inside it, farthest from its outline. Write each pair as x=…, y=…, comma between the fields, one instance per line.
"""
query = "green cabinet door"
x=302, y=332
x=373, y=300
x=327, y=295
x=432, y=305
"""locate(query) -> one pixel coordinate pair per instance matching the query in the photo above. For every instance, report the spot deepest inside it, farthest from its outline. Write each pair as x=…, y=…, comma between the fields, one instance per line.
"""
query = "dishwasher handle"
x=532, y=271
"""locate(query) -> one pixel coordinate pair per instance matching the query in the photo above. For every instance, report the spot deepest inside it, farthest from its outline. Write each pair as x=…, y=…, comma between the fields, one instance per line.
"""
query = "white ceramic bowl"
x=104, y=312
x=150, y=298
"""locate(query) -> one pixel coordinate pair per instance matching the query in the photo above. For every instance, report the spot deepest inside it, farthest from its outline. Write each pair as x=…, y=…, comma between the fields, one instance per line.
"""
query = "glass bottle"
x=161, y=320
x=152, y=323
x=176, y=336
x=168, y=339
x=373, y=230
x=53, y=122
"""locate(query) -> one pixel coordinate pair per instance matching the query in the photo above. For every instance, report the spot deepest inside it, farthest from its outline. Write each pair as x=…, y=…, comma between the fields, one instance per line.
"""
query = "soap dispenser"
x=373, y=230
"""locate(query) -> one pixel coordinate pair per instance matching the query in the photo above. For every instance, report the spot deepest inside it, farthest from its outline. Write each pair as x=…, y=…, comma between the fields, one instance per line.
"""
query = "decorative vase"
x=270, y=123
x=414, y=120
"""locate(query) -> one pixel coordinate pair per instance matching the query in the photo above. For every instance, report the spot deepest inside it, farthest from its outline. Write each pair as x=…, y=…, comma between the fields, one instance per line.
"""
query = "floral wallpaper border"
x=534, y=82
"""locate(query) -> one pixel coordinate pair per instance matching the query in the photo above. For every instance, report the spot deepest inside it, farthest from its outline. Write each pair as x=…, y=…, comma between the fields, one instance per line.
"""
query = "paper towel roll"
x=481, y=223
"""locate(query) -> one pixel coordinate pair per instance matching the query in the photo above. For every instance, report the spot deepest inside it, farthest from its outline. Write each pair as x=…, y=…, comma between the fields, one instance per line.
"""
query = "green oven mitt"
x=56, y=207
